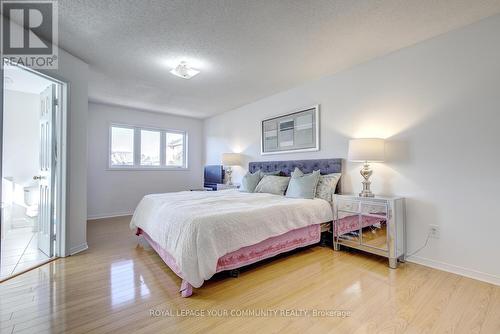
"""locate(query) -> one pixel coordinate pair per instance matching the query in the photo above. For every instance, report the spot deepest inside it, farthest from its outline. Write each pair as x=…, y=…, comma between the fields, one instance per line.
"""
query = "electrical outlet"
x=434, y=231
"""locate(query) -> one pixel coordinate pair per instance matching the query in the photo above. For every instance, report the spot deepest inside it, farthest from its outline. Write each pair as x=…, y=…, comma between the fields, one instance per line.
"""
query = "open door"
x=46, y=175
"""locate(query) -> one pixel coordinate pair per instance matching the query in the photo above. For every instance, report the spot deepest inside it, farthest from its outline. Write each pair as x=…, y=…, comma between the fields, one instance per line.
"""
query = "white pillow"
x=273, y=185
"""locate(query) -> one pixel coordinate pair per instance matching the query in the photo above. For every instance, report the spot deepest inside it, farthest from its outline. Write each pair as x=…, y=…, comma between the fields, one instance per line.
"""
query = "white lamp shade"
x=367, y=149
x=231, y=159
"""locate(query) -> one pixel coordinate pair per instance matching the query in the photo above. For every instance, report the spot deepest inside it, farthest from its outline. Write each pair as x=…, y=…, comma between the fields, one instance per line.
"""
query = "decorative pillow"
x=327, y=185
x=273, y=184
x=250, y=181
x=303, y=186
x=297, y=172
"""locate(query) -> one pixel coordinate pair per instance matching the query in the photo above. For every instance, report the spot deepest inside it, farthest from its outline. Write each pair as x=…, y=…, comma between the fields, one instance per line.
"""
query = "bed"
x=198, y=234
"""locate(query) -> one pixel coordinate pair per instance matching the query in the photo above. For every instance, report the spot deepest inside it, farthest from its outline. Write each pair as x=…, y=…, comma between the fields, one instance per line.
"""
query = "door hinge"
x=56, y=102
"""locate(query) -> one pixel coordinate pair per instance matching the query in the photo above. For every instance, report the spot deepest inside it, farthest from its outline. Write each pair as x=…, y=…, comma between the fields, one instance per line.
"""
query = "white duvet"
x=199, y=227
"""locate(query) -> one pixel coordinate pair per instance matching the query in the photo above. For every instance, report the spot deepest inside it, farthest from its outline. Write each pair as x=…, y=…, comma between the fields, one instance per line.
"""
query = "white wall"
x=112, y=192
x=21, y=130
x=438, y=103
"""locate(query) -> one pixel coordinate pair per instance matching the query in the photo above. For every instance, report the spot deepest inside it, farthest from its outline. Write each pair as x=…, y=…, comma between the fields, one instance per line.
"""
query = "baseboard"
x=488, y=278
x=110, y=215
x=78, y=249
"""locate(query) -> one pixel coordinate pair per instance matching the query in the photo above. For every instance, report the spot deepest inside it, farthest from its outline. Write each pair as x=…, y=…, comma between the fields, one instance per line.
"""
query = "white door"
x=47, y=171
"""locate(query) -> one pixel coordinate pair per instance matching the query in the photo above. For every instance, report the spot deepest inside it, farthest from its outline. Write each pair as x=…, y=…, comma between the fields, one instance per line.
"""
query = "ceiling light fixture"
x=183, y=70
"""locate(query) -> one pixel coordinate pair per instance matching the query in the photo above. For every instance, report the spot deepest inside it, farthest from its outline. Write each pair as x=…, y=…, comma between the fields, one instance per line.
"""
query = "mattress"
x=198, y=228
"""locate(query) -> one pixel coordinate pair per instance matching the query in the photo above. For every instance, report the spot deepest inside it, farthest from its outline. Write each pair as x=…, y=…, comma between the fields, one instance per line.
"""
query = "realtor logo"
x=29, y=33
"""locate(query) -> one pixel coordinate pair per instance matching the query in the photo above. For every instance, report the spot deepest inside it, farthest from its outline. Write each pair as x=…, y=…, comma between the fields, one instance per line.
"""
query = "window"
x=134, y=147
x=150, y=148
x=122, y=146
x=174, y=149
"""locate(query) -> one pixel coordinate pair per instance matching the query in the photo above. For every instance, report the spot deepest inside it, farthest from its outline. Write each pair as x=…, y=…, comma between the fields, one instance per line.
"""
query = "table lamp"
x=229, y=160
x=366, y=150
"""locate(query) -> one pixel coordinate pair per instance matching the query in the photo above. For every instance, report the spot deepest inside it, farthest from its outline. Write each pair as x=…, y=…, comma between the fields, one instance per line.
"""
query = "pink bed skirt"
x=244, y=256
x=291, y=240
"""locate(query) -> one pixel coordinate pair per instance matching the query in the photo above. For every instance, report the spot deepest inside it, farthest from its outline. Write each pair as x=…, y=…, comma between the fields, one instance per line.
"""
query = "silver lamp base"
x=366, y=172
x=229, y=171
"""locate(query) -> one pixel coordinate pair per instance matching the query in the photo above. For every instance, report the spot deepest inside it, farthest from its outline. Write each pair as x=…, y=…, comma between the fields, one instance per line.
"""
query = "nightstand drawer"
x=347, y=205
x=374, y=209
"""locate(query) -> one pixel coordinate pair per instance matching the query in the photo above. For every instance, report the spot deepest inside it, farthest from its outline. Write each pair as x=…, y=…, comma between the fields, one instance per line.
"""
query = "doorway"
x=33, y=165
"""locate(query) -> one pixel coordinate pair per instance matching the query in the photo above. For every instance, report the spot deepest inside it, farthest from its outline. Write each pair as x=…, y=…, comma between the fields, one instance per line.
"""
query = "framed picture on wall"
x=294, y=132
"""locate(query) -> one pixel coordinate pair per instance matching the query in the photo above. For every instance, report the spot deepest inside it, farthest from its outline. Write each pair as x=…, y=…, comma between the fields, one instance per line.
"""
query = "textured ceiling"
x=246, y=49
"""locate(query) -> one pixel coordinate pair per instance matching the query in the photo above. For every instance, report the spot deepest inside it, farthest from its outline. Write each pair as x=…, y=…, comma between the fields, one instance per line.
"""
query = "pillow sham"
x=303, y=186
x=297, y=173
x=273, y=184
x=327, y=185
x=250, y=181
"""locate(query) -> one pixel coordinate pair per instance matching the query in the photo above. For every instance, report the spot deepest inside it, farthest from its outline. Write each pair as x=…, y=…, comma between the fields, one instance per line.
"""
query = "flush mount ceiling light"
x=183, y=70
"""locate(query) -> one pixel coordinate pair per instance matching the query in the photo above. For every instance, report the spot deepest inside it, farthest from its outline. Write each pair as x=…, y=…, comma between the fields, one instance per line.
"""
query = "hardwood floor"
x=19, y=251
x=112, y=288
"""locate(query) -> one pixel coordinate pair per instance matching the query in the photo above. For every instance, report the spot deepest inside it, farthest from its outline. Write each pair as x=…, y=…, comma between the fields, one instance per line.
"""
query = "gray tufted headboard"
x=327, y=166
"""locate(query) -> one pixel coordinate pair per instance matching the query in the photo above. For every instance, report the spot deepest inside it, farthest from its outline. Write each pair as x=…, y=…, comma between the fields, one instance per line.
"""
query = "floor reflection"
x=354, y=289
x=126, y=284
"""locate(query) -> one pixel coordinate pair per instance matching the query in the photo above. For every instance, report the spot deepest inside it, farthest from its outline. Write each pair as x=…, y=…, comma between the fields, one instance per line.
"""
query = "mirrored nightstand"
x=371, y=224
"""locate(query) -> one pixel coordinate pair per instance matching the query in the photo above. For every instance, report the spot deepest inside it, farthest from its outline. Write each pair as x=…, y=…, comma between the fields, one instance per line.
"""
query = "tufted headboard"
x=327, y=166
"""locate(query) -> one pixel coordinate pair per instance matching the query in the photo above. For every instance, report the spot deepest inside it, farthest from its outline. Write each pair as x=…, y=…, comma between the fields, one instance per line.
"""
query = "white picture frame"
x=297, y=131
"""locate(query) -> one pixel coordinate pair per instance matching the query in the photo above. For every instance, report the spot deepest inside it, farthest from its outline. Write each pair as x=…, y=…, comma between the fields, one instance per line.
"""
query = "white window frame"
x=137, y=148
